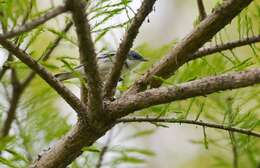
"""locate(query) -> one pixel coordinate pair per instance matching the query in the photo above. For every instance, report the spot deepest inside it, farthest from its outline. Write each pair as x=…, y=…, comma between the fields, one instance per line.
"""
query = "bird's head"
x=132, y=55
x=133, y=59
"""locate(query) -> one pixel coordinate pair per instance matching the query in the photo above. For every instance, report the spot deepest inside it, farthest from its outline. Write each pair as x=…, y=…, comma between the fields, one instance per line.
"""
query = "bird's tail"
x=64, y=76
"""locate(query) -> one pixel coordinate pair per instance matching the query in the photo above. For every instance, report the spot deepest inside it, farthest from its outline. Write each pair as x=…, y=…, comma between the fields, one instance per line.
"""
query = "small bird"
x=105, y=63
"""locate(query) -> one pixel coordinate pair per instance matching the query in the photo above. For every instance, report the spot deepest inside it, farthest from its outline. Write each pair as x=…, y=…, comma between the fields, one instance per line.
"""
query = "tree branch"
x=3, y=71
x=104, y=150
x=202, y=11
x=220, y=17
x=200, y=87
x=13, y=103
x=56, y=42
x=222, y=47
x=66, y=94
x=22, y=133
x=16, y=94
x=193, y=122
x=125, y=46
x=34, y=23
x=234, y=145
x=88, y=59
x=69, y=147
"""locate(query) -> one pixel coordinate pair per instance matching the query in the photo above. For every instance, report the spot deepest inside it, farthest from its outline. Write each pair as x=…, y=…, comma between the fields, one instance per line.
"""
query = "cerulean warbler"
x=105, y=63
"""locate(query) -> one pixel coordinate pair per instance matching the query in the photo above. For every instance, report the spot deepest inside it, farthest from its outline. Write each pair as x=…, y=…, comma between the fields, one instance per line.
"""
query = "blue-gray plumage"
x=105, y=63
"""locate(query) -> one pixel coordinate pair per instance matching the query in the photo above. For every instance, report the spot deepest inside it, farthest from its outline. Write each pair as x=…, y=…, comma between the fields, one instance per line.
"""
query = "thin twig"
x=234, y=148
x=25, y=142
x=202, y=11
x=226, y=46
x=84, y=93
x=26, y=17
x=13, y=104
x=193, y=122
x=125, y=46
x=3, y=71
x=88, y=59
x=104, y=150
x=200, y=87
x=34, y=23
x=11, y=112
x=45, y=56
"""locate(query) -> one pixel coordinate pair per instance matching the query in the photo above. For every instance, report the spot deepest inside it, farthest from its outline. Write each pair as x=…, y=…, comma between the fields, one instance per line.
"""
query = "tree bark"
x=69, y=147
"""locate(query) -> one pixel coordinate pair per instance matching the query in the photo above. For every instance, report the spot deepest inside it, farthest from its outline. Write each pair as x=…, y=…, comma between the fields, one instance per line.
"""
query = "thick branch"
x=66, y=94
x=125, y=46
x=34, y=23
x=69, y=147
x=192, y=42
x=193, y=122
x=200, y=87
x=88, y=58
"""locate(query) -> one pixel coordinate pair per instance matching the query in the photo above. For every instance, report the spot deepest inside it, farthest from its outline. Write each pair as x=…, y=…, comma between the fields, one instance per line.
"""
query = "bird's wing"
x=106, y=55
x=100, y=57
